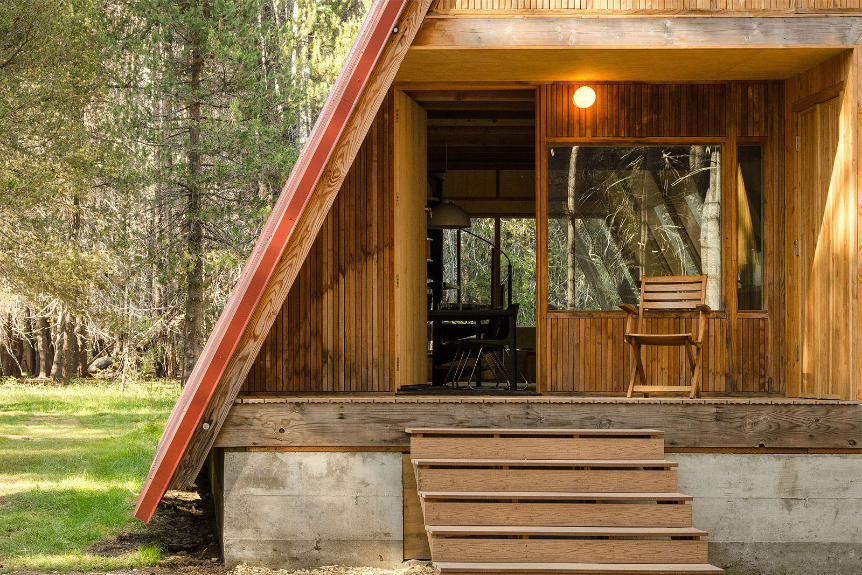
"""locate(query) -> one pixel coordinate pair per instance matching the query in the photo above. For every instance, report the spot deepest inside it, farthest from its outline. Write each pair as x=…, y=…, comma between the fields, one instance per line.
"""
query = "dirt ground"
x=184, y=527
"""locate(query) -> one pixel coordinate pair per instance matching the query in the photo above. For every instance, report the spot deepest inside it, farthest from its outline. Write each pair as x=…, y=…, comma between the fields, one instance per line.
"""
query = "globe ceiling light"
x=584, y=97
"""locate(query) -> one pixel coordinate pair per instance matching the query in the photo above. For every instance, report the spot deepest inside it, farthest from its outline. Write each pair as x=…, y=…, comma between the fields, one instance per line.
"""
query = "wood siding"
x=590, y=356
x=638, y=111
x=633, y=5
x=333, y=332
x=641, y=111
x=821, y=192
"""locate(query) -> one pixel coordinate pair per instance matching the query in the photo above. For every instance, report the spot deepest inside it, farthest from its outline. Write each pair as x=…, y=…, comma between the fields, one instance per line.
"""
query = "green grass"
x=72, y=460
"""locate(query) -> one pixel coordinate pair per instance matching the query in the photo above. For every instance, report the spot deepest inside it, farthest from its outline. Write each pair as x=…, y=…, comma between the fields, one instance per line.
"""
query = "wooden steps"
x=452, y=568
x=554, y=501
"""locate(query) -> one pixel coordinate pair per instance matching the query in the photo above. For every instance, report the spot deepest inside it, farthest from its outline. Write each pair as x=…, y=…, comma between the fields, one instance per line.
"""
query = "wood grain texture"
x=451, y=568
x=476, y=549
x=539, y=31
x=410, y=268
x=540, y=448
x=323, y=340
x=562, y=480
x=689, y=424
x=307, y=226
x=559, y=514
x=638, y=111
x=415, y=537
x=822, y=114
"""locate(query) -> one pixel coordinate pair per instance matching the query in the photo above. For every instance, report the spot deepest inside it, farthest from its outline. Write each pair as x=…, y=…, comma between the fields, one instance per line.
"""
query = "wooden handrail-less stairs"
x=601, y=501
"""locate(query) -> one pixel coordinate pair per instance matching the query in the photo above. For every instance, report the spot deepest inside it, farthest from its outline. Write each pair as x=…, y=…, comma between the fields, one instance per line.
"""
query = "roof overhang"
x=537, y=48
x=610, y=64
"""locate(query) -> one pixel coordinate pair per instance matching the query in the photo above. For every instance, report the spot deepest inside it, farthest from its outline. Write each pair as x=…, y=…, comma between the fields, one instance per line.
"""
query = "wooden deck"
x=258, y=398
x=369, y=422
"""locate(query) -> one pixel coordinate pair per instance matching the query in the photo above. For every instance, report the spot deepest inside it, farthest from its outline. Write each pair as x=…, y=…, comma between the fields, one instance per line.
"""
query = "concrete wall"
x=777, y=514
x=310, y=509
x=766, y=514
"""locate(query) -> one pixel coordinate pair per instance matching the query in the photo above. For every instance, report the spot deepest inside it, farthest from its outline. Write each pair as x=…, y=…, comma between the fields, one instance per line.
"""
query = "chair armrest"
x=704, y=309
x=628, y=308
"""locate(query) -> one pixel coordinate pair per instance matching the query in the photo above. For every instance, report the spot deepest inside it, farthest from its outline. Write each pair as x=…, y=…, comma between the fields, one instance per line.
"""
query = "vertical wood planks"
x=649, y=111
x=333, y=332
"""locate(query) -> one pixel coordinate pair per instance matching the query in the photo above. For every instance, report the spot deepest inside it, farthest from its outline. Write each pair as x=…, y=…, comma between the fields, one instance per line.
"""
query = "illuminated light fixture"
x=584, y=97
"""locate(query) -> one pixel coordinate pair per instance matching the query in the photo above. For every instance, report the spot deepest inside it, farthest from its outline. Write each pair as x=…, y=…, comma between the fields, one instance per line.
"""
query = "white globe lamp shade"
x=584, y=97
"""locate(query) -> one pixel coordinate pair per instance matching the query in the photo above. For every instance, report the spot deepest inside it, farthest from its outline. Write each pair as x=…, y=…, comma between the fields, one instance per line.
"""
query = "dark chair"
x=489, y=348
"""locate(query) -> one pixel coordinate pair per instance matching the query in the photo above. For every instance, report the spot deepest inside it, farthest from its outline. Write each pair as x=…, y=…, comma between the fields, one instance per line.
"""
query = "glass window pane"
x=476, y=264
x=750, y=228
x=518, y=239
x=617, y=213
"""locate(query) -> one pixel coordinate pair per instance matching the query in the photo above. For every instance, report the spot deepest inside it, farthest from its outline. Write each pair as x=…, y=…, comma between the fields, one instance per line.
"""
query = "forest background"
x=143, y=144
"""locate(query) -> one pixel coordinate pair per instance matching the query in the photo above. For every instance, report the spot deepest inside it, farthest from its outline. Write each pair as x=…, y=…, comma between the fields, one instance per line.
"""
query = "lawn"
x=72, y=460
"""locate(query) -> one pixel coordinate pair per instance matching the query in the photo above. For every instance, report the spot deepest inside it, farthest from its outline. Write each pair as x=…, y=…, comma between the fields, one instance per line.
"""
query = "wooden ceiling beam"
x=524, y=95
x=641, y=32
x=485, y=106
x=434, y=123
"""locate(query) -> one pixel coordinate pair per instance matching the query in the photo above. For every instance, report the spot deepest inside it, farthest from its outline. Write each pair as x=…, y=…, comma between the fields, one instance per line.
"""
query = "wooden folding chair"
x=670, y=293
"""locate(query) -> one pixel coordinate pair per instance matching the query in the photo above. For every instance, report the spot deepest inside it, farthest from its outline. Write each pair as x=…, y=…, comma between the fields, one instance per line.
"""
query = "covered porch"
x=743, y=172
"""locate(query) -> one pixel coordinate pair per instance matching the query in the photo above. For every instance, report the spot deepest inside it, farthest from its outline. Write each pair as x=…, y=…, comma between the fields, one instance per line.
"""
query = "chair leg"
x=632, y=371
x=695, y=376
x=637, y=369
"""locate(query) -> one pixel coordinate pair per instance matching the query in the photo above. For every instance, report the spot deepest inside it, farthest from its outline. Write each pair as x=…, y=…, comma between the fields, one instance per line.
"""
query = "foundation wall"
x=777, y=513
x=308, y=509
x=765, y=513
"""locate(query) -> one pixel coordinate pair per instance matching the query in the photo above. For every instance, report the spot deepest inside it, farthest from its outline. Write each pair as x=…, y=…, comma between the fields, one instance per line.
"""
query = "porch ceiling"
x=609, y=64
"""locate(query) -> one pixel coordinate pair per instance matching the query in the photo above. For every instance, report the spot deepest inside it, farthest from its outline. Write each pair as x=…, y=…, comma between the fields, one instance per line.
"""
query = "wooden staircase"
x=572, y=501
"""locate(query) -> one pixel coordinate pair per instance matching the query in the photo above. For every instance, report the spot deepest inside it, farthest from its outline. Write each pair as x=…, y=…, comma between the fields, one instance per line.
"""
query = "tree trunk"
x=83, y=359
x=30, y=342
x=68, y=345
x=43, y=338
x=571, y=209
x=710, y=237
x=192, y=327
x=59, y=330
x=70, y=350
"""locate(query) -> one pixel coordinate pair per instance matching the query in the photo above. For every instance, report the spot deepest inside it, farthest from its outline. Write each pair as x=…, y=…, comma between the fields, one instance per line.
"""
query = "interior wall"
x=584, y=351
x=334, y=331
x=821, y=222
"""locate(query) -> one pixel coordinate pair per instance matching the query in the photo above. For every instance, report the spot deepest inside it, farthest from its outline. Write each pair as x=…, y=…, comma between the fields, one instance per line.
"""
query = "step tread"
x=635, y=568
x=547, y=462
x=543, y=530
x=531, y=431
x=555, y=495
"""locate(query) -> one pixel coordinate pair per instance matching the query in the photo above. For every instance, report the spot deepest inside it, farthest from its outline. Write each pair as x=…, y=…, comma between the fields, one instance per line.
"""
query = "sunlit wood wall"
x=823, y=282
x=334, y=331
x=584, y=351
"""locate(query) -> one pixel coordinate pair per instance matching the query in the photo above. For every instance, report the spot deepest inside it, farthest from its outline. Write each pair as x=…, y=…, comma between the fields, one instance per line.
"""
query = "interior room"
x=481, y=237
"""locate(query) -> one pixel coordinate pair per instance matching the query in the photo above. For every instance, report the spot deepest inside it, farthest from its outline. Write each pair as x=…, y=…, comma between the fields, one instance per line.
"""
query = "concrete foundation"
x=777, y=513
x=766, y=514
x=303, y=510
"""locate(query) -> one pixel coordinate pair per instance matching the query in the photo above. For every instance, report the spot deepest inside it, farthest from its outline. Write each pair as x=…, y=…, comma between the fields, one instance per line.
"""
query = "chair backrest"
x=672, y=293
x=498, y=328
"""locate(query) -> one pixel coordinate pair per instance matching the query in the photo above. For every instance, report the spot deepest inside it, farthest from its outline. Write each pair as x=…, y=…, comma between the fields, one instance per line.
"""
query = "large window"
x=617, y=213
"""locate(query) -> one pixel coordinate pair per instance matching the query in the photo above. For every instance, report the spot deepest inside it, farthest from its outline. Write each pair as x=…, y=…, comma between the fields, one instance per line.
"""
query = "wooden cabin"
x=426, y=346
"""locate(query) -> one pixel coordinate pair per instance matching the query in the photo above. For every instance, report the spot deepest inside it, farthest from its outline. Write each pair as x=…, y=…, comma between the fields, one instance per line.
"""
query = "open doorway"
x=481, y=238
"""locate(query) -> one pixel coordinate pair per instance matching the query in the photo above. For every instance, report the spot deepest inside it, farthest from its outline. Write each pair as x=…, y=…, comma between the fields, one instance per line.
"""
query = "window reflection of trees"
x=618, y=213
